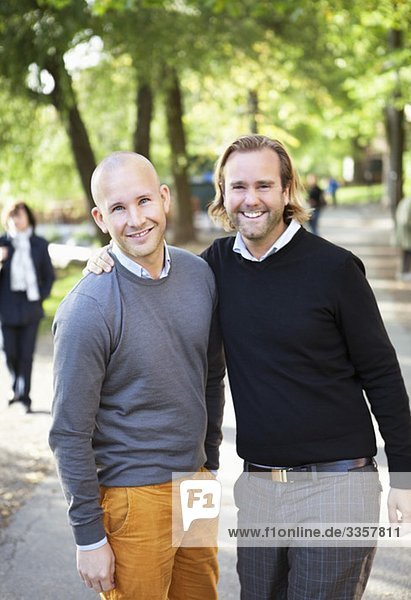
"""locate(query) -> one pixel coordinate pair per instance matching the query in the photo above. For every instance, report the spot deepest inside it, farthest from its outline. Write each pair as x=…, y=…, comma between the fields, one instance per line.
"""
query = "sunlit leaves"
x=323, y=73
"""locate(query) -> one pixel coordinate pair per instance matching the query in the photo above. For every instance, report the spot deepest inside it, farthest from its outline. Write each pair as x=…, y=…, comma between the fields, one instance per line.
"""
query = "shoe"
x=28, y=410
x=13, y=400
x=27, y=404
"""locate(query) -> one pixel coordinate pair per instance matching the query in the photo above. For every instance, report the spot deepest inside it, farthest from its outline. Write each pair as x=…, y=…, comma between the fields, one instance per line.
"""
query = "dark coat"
x=316, y=197
x=15, y=309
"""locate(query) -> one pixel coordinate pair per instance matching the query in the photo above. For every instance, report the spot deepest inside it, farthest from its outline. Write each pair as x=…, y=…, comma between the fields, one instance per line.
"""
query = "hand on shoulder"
x=99, y=262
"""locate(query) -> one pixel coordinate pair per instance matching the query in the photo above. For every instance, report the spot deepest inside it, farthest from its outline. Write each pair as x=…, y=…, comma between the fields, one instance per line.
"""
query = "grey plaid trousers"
x=294, y=571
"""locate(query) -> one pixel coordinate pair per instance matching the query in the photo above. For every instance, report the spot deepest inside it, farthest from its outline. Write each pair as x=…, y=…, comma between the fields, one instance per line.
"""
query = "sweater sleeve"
x=376, y=366
x=214, y=394
x=81, y=352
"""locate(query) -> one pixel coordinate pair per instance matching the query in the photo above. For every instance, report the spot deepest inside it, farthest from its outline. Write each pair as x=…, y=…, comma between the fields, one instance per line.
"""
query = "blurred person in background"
x=26, y=277
x=332, y=188
x=316, y=201
x=403, y=235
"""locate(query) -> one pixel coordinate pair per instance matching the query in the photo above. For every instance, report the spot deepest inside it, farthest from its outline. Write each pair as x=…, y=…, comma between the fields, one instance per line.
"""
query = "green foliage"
x=360, y=194
x=106, y=96
x=35, y=33
x=322, y=72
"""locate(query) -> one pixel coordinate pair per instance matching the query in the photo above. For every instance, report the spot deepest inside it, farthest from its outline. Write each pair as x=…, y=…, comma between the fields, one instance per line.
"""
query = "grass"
x=65, y=280
x=359, y=194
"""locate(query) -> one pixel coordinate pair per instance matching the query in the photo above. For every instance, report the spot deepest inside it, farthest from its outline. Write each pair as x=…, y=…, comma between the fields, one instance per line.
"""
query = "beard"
x=260, y=228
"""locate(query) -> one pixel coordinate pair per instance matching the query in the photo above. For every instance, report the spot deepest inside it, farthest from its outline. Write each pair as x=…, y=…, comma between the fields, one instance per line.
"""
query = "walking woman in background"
x=316, y=201
x=26, y=277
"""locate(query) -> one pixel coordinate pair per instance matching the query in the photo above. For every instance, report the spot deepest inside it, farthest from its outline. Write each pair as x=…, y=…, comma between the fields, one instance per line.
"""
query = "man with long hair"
x=303, y=340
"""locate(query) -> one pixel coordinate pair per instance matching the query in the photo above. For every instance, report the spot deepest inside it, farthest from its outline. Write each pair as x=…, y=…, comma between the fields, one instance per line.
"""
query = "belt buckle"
x=279, y=475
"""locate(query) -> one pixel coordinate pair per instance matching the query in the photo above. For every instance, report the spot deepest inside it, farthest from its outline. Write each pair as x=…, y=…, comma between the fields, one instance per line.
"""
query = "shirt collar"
x=138, y=269
x=283, y=240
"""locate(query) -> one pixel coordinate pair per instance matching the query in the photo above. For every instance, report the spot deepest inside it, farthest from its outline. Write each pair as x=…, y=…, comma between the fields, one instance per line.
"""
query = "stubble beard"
x=258, y=231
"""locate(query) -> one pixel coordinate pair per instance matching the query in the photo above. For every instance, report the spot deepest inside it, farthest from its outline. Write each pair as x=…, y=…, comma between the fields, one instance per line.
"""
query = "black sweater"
x=303, y=338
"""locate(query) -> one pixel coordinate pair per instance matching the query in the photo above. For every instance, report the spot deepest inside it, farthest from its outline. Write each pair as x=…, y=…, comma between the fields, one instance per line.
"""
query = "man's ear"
x=98, y=218
x=166, y=197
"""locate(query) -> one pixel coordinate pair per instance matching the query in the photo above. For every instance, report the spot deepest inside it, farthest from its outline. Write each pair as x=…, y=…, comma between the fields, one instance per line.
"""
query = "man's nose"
x=251, y=197
x=136, y=217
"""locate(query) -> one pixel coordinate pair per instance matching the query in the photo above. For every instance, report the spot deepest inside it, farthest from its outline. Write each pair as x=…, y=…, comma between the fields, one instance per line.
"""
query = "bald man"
x=138, y=395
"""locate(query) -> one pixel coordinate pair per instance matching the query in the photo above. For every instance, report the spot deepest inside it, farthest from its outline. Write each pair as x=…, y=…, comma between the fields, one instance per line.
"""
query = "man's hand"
x=96, y=568
x=99, y=262
x=399, y=507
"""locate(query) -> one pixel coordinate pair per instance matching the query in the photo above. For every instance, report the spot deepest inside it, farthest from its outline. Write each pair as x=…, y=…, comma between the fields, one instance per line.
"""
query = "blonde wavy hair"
x=289, y=180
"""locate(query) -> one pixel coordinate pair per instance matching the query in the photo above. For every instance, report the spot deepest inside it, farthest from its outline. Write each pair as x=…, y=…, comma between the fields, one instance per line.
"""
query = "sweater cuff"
x=400, y=480
x=213, y=455
x=92, y=533
x=95, y=546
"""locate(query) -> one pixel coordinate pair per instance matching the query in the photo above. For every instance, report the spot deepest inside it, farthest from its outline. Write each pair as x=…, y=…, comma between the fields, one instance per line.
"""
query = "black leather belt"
x=285, y=474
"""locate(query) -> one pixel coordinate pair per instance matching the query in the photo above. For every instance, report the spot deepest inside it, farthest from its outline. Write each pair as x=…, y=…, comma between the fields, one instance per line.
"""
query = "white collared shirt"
x=137, y=269
x=283, y=240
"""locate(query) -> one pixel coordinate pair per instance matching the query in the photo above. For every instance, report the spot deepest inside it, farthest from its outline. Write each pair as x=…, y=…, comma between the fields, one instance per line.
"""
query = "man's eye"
x=144, y=200
x=117, y=209
x=238, y=187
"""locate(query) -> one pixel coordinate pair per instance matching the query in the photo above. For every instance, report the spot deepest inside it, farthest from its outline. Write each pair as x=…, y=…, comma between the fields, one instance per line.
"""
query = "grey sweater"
x=138, y=383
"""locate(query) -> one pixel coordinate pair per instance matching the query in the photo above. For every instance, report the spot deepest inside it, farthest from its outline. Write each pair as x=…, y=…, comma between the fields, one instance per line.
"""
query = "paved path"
x=36, y=550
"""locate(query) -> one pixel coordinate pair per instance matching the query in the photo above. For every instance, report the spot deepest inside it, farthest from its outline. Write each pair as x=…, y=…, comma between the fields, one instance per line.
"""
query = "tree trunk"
x=253, y=110
x=396, y=138
x=141, y=138
x=358, y=152
x=183, y=223
x=64, y=100
x=394, y=119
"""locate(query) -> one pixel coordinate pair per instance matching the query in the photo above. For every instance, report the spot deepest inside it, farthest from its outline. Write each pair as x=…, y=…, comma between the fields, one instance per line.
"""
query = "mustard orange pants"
x=138, y=522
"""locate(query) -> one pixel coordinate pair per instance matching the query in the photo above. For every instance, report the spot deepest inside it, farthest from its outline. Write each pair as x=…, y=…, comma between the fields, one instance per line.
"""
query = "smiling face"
x=132, y=207
x=254, y=198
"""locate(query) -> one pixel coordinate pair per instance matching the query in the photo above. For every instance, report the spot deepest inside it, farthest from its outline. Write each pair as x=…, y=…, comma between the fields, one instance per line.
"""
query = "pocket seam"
x=125, y=523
